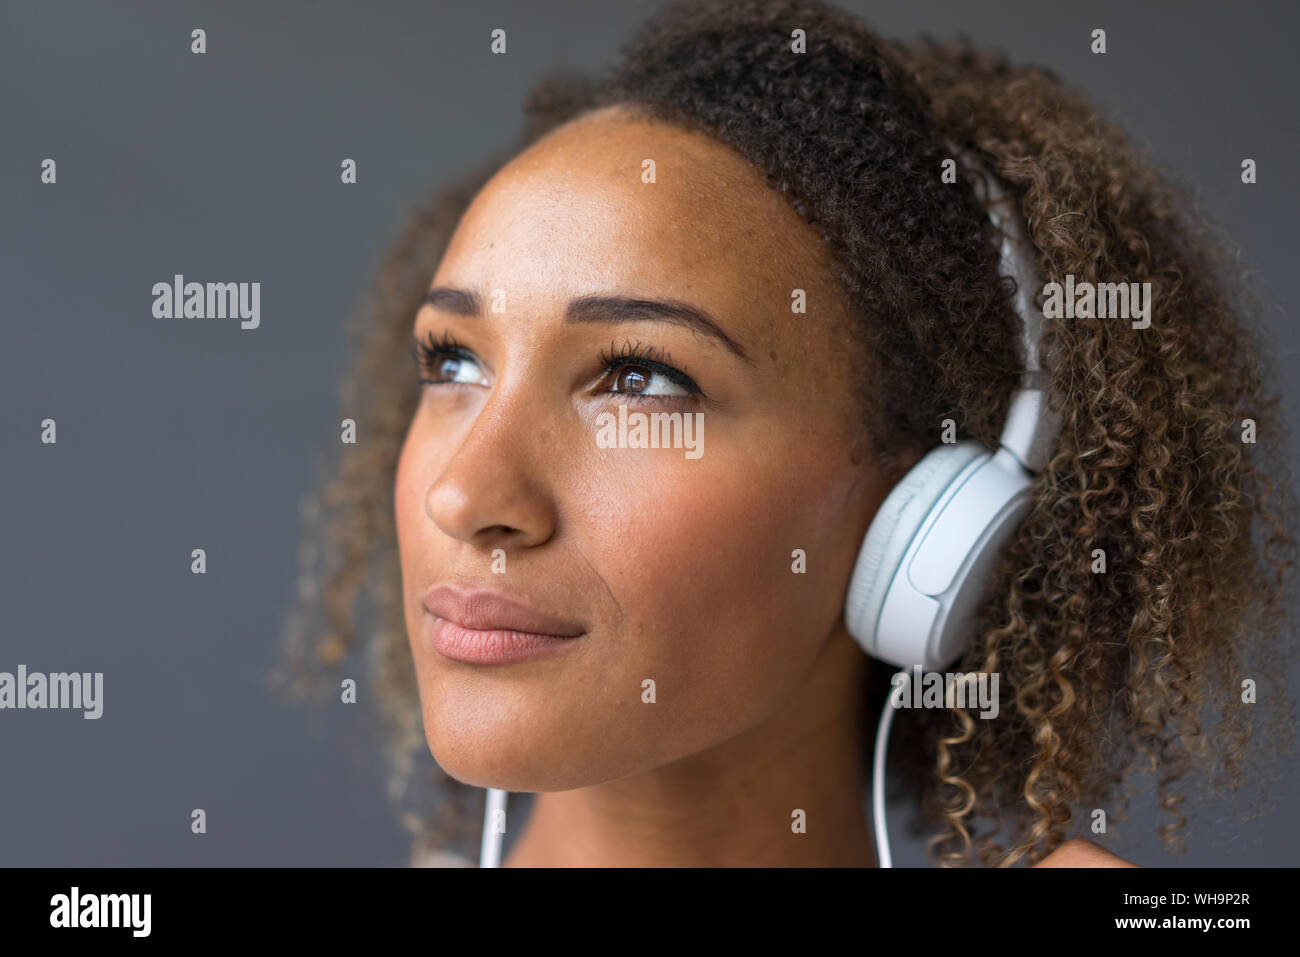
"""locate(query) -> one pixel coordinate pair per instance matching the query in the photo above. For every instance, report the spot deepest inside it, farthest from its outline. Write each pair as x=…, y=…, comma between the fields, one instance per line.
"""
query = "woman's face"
x=672, y=565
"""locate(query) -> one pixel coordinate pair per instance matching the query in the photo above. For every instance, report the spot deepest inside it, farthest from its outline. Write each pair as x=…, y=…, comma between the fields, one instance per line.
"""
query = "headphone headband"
x=1031, y=425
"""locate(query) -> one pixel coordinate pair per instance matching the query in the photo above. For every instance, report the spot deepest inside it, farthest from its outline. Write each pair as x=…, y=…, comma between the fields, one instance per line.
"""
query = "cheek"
x=698, y=557
x=418, y=464
x=407, y=515
x=405, y=503
x=416, y=544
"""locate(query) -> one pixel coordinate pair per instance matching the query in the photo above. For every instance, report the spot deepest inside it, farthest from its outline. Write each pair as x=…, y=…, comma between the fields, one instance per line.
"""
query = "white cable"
x=489, y=854
x=883, y=857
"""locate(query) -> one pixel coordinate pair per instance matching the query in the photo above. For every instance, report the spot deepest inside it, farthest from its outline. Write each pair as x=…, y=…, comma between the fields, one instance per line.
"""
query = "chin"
x=514, y=751
x=493, y=754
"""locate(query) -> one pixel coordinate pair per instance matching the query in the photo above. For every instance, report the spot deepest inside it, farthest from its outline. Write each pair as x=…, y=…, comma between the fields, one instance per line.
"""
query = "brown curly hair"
x=1101, y=672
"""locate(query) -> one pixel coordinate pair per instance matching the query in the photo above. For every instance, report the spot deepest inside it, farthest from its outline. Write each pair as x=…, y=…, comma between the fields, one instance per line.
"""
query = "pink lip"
x=488, y=611
x=484, y=627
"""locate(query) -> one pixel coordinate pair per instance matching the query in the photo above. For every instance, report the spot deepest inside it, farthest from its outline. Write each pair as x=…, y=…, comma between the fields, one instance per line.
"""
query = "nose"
x=493, y=491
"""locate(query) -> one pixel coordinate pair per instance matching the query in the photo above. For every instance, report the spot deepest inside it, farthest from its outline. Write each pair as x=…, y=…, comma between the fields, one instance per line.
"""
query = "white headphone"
x=932, y=546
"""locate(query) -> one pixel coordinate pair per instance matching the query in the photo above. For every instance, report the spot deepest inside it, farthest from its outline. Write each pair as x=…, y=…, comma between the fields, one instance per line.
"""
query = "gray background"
x=225, y=167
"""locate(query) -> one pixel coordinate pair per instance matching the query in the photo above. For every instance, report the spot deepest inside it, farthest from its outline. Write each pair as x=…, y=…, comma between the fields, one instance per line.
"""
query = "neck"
x=732, y=805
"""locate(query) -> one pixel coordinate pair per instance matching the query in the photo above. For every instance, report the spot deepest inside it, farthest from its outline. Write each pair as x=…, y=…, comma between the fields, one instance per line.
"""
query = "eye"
x=444, y=362
x=456, y=369
x=632, y=373
x=643, y=380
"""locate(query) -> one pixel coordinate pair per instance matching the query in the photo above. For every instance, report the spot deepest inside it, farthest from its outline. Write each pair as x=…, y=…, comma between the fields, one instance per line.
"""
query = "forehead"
x=575, y=213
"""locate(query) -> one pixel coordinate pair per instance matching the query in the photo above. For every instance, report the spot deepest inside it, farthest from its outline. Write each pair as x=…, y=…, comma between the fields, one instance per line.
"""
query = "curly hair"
x=1140, y=667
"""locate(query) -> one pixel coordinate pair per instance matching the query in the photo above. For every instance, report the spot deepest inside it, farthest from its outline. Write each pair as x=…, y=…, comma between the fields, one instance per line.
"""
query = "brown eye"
x=632, y=379
x=646, y=378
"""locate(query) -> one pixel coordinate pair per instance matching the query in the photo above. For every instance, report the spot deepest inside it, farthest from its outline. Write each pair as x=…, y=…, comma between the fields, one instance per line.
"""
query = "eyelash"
x=436, y=349
x=430, y=351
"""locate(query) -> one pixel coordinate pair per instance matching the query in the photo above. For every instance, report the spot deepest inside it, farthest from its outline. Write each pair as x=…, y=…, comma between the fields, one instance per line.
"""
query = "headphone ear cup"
x=896, y=523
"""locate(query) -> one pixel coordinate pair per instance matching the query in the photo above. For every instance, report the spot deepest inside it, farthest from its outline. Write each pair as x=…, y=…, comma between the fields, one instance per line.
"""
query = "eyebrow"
x=609, y=309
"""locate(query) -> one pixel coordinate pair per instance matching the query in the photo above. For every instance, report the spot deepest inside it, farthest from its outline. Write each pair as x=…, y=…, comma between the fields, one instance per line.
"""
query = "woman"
x=750, y=224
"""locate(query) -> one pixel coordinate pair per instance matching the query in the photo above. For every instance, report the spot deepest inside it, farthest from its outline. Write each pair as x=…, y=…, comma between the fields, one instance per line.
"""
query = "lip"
x=486, y=627
x=491, y=611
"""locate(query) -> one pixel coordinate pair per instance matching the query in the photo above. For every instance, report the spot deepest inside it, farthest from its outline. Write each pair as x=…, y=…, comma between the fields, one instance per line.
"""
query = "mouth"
x=485, y=627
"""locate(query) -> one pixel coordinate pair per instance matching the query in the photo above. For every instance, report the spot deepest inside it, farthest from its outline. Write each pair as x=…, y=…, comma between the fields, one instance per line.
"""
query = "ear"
x=1080, y=853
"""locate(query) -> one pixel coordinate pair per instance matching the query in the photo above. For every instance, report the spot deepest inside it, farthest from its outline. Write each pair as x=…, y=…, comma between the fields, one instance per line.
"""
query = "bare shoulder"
x=1080, y=853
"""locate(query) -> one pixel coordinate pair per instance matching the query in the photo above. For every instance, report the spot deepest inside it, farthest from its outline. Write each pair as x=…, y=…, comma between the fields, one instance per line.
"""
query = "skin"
x=678, y=569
